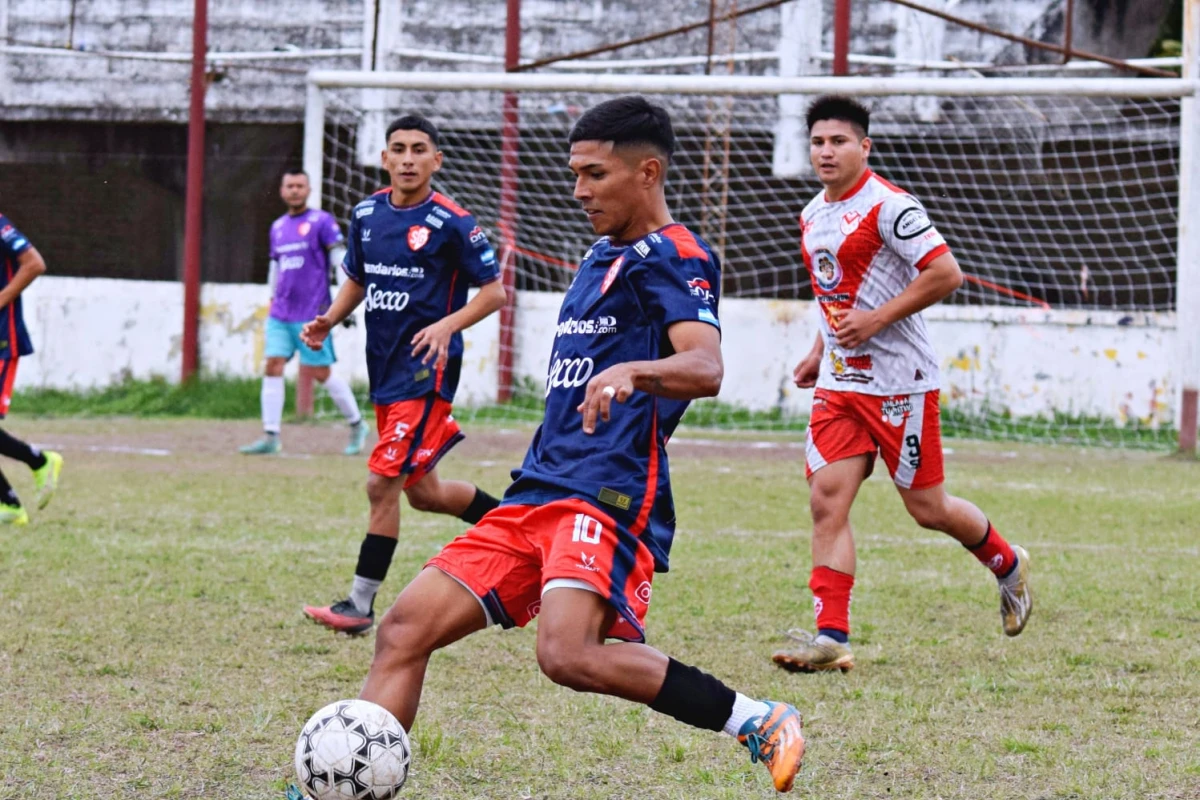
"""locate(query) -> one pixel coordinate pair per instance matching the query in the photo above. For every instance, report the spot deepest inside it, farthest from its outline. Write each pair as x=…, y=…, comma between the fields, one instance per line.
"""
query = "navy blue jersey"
x=623, y=300
x=14, y=338
x=415, y=264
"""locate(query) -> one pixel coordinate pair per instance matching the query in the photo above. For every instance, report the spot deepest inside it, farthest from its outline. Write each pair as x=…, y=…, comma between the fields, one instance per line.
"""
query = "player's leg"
x=433, y=611
x=278, y=349
x=11, y=510
x=46, y=465
x=457, y=498
x=839, y=457
x=319, y=363
x=571, y=651
x=914, y=457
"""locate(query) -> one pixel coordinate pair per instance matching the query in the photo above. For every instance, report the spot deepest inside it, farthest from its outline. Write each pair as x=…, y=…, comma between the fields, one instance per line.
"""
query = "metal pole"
x=841, y=37
x=1187, y=297
x=1068, y=30
x=194, y=205
x=507, y=223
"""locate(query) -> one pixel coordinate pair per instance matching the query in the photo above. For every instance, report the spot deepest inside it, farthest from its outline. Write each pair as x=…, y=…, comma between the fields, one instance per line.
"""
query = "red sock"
x=831, y=598
x=994, y=553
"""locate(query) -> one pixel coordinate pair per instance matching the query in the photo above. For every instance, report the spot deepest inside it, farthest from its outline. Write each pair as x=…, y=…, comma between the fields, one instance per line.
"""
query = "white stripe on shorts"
x=812, y=455
x=905, y=471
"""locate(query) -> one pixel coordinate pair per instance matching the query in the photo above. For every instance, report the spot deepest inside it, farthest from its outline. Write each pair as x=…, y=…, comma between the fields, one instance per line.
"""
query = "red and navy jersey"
x=14, y=338
x=618, y=309
x=415, y=264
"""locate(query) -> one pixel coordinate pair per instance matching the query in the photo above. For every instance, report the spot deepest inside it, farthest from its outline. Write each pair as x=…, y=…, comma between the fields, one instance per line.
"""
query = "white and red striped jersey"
x=861, y=252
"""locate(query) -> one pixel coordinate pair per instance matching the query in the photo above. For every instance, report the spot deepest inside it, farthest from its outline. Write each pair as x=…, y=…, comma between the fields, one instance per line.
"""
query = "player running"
x=22, y=264
x=589, y=518
x=305, y=243
x=412, y=254
x=876, y=262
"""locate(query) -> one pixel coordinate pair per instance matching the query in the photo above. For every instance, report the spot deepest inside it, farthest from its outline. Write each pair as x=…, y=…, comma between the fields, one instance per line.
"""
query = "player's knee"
x=928, y=514
x=403, y=636
x=567, y=664
x=829, y=509
x=424, y=501
x=382, y=489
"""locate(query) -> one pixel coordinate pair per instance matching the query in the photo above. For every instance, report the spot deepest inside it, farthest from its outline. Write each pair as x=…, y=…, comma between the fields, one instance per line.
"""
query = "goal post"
x=1060, y=197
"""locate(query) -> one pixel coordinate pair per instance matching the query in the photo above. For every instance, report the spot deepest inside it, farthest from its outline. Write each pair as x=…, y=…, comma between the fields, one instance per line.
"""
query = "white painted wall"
x=93, y=332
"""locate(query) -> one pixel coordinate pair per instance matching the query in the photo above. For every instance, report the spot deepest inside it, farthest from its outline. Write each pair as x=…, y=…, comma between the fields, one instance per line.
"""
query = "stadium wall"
x=1120, y=366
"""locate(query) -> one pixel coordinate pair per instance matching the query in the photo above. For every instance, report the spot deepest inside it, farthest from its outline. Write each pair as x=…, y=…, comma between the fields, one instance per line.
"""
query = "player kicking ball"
x=305, y=242
x=876, y=262
x=22, y=264
x=589, y=518
x=412, y=254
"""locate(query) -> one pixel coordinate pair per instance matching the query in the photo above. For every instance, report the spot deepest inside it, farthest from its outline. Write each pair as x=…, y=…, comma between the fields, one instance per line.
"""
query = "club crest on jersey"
x=418, y=237
x=850, y=222
x=611, y=275
x=827, y=272
x=303, y=228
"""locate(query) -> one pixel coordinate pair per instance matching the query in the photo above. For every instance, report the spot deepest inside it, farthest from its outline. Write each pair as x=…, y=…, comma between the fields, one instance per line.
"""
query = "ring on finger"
x=609, y=391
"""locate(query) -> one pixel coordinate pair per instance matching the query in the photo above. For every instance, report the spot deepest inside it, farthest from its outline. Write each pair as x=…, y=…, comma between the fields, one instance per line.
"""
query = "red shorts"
x=510, y=555
x=904, y=429
x=413, y=437
x=8, y=378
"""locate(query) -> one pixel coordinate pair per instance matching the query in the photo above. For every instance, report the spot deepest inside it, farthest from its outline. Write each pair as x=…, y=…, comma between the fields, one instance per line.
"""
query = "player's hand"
x=614, y=383
x=806, y=372
x=854, y=326
x=434, y=342
x=314, y=332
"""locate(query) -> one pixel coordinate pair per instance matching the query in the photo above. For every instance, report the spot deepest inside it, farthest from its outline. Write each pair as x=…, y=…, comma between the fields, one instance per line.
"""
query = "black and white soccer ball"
x=353, y=750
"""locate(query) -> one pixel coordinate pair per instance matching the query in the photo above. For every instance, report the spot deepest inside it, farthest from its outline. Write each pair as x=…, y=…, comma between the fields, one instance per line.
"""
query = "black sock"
x=481, y=504
x=7, y=495
x=14, y=448
x=694, y=698
x=375, y=556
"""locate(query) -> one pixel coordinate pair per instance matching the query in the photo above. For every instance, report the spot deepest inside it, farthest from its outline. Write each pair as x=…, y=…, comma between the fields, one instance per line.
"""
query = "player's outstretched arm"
x=694, y=370
x=29, y=266
x=937, y=281
x=434, y=340
x=348, y=297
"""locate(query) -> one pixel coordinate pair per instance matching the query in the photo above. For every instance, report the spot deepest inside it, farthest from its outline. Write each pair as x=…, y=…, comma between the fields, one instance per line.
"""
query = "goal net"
x=1059, y=199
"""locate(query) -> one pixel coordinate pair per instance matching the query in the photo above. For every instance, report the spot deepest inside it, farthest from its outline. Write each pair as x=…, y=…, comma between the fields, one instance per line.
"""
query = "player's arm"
x=29, y=265
x=806, y=372
x=434, y=340
x=694, y=370
x=935, y=282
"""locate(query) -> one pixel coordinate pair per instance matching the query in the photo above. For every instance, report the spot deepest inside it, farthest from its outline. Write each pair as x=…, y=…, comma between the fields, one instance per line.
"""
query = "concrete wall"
x=91, y=332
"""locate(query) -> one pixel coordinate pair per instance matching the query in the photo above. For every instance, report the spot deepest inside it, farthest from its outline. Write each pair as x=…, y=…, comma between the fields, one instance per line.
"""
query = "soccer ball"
x=353, y=750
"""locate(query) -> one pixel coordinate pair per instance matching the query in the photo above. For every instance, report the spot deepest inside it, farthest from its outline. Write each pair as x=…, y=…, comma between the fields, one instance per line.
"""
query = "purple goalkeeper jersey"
x=300, y=246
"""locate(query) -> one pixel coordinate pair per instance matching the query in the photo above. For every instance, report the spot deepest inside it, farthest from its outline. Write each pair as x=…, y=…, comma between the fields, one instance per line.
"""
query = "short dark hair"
x=414, y=122
x=629, y=120
x=839, y=107
x=293, y=171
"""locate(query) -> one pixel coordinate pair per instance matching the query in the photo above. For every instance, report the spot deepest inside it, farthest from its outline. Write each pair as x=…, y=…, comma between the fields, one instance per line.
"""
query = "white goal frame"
x=1187, y=315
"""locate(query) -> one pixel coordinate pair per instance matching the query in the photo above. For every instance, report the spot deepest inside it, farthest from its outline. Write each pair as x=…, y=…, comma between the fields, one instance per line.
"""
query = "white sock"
x=273, y=394
x=743, y=709
x=362, y=593
x=343, y=398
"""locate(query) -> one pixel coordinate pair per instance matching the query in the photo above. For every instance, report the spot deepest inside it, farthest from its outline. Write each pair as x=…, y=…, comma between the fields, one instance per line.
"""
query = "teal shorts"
x=283, y=340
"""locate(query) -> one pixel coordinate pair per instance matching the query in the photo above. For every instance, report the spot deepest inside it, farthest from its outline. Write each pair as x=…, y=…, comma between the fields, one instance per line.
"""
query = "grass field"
x=151, y=641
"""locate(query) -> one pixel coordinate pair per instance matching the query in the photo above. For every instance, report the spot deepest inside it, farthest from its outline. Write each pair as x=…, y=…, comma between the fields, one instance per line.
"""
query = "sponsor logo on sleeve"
x=701, y=288
x=488, y=257
x=656, y=238
x=641, y=248
x=477, y=235
x=911, y=223
x=434, y=220
x=704, y=315
x=364, y=211
x=418, y=237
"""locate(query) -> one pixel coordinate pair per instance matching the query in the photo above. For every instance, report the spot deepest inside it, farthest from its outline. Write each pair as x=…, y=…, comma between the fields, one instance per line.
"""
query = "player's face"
x=294, y=190
x=411, y=159
x=612, y=189
x=838, y=155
